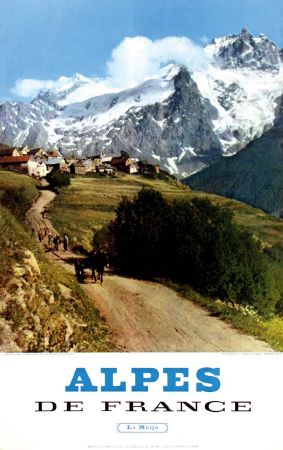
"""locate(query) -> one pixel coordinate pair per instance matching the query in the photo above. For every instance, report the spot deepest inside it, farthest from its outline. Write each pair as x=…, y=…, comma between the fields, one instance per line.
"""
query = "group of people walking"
x=42, y=232
x=57, y=240
x=53, y=241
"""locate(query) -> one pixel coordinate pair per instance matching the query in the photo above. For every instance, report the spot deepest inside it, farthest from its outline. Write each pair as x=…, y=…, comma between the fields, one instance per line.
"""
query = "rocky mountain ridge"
x=183, y=120
x=245, y=51
x=253, y=176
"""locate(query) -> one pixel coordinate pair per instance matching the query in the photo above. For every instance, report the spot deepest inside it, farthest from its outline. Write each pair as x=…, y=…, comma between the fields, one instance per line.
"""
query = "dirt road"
x=37, y=212
x=145, y=316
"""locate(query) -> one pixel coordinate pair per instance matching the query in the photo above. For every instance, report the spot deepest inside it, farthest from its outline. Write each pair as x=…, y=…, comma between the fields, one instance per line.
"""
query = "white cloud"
x=29, y=87
x=138, y=58
x=132, y=61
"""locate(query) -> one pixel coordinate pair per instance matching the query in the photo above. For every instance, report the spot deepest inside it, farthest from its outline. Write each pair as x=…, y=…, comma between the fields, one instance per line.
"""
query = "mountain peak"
x=245, y=51
x=78, y=77
x=169, y=71
x=245, y=32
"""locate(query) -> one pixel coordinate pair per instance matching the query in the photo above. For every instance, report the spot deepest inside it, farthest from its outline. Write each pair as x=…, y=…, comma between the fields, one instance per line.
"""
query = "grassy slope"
x=13, y=180
x=8, y=225
x=90, y=203
x=15, y=237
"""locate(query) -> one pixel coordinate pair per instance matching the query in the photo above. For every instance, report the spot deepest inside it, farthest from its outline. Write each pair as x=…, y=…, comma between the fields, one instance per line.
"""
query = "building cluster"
x=38, y=162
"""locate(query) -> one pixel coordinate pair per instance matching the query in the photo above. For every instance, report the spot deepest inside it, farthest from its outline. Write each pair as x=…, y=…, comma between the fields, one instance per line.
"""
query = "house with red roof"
x=15, y=162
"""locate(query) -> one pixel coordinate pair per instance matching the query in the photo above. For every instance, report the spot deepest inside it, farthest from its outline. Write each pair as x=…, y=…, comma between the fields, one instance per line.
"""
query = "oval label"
x=142, y=427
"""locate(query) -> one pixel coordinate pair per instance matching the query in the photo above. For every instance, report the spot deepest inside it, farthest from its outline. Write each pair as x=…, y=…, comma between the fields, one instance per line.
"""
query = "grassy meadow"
x=90, y=203
x=14, y=180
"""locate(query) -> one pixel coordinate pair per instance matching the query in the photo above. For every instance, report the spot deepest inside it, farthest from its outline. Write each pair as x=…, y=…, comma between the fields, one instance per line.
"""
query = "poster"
x=85, y=80
x=159, y=400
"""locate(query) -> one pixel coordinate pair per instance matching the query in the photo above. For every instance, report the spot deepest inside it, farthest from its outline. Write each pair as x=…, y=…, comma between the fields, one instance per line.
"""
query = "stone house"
x=106, y=159
x=78, y=168
x=55, y=163
x=89, y=164
x=132, y=168
x=53, y=154
x=8, y=151
x=37, y=167
x=124, y=164
x=38, y=152
x=15, y=162
x=97, y=160
x=25, y=150
x=146, y=168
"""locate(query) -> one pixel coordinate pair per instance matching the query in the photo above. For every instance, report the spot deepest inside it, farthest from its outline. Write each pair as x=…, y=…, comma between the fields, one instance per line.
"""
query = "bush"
x=57, y=179
x=216, y=256
x=102, y=239
x=139, y=233
x=18, y=201
x=191, y=242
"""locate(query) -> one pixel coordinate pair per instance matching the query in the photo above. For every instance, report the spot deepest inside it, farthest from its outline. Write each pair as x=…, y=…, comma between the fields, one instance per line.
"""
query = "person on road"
x=56, y=241
x=65, y=242
x=40, y=235
x=50, y=240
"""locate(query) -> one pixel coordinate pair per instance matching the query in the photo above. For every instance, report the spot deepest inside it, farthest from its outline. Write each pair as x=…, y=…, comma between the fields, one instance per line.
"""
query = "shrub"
x=140, y=233
x=57, y=179
x=102, y=239
x=17, y=200
x=217, y=257
x=192, y=242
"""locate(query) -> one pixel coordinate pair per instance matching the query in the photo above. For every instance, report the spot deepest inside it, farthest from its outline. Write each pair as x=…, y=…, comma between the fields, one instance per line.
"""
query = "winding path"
x=145, y=316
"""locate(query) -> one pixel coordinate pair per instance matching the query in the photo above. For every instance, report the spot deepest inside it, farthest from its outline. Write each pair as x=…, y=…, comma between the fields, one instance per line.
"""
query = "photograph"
x=141, y=224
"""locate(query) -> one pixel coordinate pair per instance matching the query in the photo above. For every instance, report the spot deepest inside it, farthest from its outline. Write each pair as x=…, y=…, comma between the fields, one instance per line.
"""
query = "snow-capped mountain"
x=245, y=51
x=181, y=119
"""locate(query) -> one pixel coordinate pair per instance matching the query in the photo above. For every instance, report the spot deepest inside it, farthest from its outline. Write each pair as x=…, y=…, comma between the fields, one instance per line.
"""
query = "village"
x=38, y=162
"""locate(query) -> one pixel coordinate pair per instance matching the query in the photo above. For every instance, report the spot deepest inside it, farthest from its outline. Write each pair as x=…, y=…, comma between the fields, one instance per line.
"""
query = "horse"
x=95, y=262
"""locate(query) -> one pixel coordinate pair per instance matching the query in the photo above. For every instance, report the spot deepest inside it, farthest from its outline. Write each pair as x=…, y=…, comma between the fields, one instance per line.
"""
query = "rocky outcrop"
x=179, y=128
x=31, y=318
x=245, y=50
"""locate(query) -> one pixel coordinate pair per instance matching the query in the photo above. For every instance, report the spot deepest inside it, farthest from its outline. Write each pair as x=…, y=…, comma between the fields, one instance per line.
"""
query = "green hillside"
x=89, y=203
x=35, y=312
x=254, y=175
x=13, y=180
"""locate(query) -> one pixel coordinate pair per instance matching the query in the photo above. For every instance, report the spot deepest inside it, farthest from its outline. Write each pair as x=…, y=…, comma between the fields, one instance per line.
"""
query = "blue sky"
x=44, y=39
